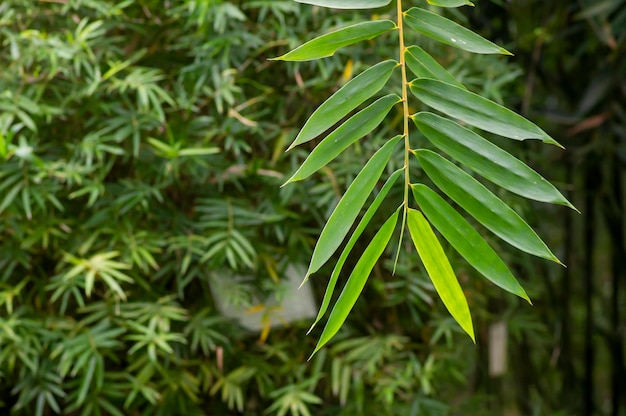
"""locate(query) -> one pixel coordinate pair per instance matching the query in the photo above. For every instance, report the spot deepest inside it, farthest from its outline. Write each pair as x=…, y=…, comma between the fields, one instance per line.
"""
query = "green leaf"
x=425, y=66
x=466, y=240
x=487, y=159
x=349, y=97
x=439, y=270
x=347, y=4
x=450, y=3
x=356, y=281
x=348, y=208
x=446, y=31
x=326, y=45
x=477, y=111
x=330, y=288
x=482, y=204
x=359, y=125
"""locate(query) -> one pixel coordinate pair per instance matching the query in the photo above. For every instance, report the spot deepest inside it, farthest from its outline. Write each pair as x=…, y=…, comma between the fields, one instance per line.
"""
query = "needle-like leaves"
x=348, y=208
x=347, y=4
x=466, y=240
x=346, y=99
x=356, y=281
x=487, y=159
x=482, y=204
x=326, y=45
x=425, y=66
x=439, y=270
x=357, y=126
x=446, y=31
x=330, y=288
x=477, y=111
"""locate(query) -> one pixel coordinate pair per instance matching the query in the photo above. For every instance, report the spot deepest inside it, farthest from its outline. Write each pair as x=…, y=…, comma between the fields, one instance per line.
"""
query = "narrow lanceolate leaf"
x=425, y=66
x=477, y=111
x=466, y=240
x=356, y=281
x=328, y=44
x=349, y=97
x=446, y=31
x=330, y=288
x=357, y=126
x=348, y=208
x=347, y=4
x=450, y=3
x=487, y=159
x=482, y=204
x=439, y=270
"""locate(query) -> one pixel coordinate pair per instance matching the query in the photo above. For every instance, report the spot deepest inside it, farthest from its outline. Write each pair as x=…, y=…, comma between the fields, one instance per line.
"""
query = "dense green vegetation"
x=142, y=152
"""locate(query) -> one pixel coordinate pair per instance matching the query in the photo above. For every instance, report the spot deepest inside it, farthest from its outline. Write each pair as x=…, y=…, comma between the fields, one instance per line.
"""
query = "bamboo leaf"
x=330, y=288
x=356, y=281
x=482, y=204
x=326, y=45
x=425, y=66
x=348, y=208
x=347, y=4
x=359, y=125
x=439, y=270
x=487, y=159
x=446, y=31
x=346, y=99
x=466, y=240
x=450, y=3
x=477, y=111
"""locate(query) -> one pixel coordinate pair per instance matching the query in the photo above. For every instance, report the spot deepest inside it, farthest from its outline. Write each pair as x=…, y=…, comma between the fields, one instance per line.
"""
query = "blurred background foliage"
x=142, y=150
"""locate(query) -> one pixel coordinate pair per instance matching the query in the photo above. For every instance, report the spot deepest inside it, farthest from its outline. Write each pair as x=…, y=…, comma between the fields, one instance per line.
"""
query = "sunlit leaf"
x=482, y=204
x=477, y=111
x=347, y=4
x=439, y=270
x=326, y=45
x=349, y=132
x=446, y=31
x=330, y=288
x=348, y=208
x=346, y=99
x=466, y=240
x=450, y=3
x=356, y=281
x=425, y=66
x=487, y=159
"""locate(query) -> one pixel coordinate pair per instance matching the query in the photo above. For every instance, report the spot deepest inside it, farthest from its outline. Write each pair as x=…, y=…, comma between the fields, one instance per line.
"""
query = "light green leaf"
x=446, y=31
x=439, y=270
x=348, y=208
x=466, y=240
x=425, y=66
x=477, y=111
x=347, y=4
x=349, y=97
x=326, y=45
x=482, y=204
x=353, y=129
x=330, y=288
x=356, y=281
x=450, y=3
x=487, y=159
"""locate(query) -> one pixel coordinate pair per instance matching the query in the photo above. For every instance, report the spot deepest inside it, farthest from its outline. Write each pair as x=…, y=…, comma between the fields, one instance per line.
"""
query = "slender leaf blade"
x=487, y=159
x=346, y=211
x=450, y=3
x=425, y=66
x=359, y=125
x=439, y=270
x=346, y=99
x=356, y=281
x=466, y=240
x=347, y=4
x=482, y=204
x=326, y=45
x=477, y=111
x=446, y=31
x=330, y=288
